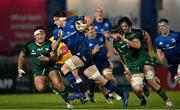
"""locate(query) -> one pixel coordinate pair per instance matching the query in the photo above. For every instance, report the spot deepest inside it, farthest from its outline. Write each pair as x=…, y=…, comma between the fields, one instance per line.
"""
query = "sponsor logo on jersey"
x=102, y=30
x=46, y=49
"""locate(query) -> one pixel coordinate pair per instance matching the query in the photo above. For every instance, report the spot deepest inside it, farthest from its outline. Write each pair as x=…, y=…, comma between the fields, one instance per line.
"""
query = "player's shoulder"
x=174, y=33
x=158, y=38
x=132, y=35
x=135, y=29
x=138, y=30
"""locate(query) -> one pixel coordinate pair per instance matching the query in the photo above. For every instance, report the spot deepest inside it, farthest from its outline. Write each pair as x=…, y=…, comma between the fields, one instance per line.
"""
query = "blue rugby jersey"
x=75, y=40
x=105, y=26
x=100, y=40
x=170, y=45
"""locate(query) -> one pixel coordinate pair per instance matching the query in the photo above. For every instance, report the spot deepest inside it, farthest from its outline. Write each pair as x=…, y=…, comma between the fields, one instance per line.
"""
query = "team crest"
x=106, y=25
x=173, y=40
x=160, y=43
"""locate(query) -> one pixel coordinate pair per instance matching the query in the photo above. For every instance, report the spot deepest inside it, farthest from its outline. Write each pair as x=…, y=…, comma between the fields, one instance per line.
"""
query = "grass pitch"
x=52, y=101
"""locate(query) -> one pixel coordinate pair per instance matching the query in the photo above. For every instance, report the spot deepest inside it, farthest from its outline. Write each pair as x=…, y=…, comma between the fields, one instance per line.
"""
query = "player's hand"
x=43, y=58
x=126, y=70
x=60, y=36
x=60, y=52
x=20, y=72
x=96, y=49
x=114, y=35
x=122, y=37
x=106, y=34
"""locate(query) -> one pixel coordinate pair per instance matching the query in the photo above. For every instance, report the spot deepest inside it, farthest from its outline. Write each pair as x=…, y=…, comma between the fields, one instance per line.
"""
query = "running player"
x=101, y=51
x=72, y=34
x=102, y=24
x=168, y=46
x=63, y=53
x=43, y=67
x=138, y=59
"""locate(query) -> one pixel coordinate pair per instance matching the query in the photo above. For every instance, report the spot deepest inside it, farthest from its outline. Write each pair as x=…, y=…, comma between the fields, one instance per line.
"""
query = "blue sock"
x=70, y=77
x=109, y=86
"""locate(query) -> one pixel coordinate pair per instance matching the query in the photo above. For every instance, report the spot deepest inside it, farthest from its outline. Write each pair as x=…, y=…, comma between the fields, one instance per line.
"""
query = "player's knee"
x=107, y=72
x=40, y=88
x=138, y=88
x=137, y=82
x=65, y=69
x=70, y=64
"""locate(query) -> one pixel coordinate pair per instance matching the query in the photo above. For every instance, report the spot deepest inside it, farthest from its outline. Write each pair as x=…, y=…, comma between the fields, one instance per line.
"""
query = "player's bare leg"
x=93, y=73
x=59, y=88
x=71, y=64
x=150, y=76
x=177, y=76
x=40, y=83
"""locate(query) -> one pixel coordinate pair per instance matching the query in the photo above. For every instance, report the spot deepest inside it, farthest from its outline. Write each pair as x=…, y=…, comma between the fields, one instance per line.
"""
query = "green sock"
x=64, y=95
x=162, y=94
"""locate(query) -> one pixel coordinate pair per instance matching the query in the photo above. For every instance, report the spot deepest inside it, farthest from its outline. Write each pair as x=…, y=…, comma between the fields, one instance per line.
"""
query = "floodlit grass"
x=52, y=101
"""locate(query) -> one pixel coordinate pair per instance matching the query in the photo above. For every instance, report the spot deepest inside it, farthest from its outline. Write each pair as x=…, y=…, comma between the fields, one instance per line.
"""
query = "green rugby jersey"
x=132, y=55
x=140, y=34
x=33, y=50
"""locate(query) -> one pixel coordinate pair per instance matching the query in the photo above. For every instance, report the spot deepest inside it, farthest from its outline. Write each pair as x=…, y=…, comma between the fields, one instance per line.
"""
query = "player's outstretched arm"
x=108, y=48
x=89, y=20
x=147, y=37
x=20, y=64
x=160, y=55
